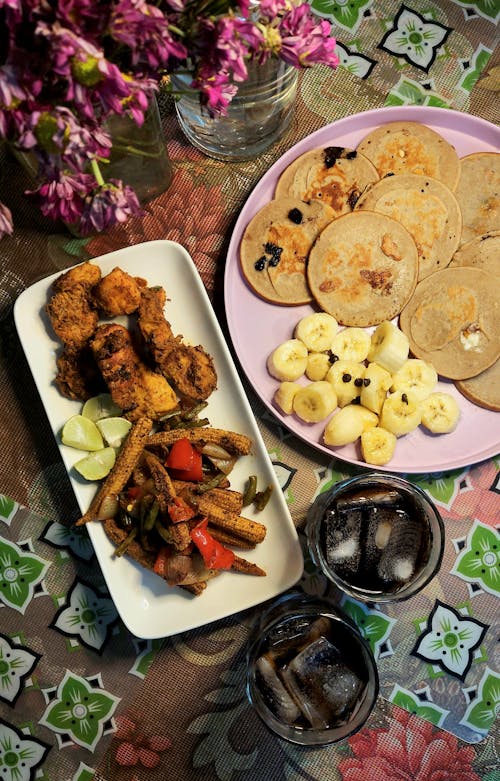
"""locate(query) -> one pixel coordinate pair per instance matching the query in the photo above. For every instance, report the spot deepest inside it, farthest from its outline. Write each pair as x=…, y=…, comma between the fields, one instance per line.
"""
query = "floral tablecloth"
x=82, y=698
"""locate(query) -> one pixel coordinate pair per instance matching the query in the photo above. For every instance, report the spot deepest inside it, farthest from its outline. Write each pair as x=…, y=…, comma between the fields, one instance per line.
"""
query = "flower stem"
x=97, y=172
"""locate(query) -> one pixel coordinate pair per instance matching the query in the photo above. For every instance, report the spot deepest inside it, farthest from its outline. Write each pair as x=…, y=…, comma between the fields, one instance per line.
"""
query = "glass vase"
x=257, y=116
x=139, y=156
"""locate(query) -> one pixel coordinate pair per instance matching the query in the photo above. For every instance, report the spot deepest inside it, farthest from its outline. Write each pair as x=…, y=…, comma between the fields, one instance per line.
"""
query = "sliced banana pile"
x=368, y=380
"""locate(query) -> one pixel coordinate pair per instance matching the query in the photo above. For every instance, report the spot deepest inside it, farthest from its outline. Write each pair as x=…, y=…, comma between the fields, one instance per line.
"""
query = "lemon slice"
x=81, y=433
x=114, y=430
x=96, y=465
x=101, y=406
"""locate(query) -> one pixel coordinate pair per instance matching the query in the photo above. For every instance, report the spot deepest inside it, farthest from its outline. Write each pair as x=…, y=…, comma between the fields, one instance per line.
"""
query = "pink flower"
x=304, y=42
x=62, y=196
x=6, y=224
x=135, y=748
x=410, y=750
x=110, y=203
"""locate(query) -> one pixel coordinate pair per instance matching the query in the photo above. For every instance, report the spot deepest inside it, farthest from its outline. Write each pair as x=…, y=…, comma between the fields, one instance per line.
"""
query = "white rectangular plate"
x=146, y=604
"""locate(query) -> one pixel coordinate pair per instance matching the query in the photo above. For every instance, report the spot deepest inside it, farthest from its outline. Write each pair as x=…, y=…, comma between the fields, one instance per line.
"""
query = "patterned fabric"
x=81, y=698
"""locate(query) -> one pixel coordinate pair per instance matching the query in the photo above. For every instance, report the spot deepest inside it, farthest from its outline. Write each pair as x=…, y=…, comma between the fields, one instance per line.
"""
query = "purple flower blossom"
x=304, y=42
x=6, y=224
x=145, y=30
x=61, y=196
x=108, y=204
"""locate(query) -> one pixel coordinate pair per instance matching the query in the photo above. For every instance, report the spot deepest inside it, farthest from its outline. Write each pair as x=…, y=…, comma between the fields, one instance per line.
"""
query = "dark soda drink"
x=311, y=675
x=376, y=537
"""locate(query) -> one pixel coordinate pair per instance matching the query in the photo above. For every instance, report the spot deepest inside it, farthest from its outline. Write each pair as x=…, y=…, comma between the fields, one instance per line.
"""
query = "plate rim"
x=294, y=569
x=381, y=115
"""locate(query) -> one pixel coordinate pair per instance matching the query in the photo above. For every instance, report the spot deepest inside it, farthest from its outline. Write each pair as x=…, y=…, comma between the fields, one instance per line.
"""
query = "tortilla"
x=428, y=210
x=478, y=194
x=453, y=321
x=484, y=389
x=481, y=252
x=275, y=246
x=411, y=148
x=363, y=268
x=334, y=175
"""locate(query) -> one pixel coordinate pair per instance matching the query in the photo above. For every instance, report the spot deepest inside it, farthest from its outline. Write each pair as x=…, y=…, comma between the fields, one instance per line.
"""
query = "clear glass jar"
x=139, y=156
x=376, y=537
x=311, y=676
x=257, y=116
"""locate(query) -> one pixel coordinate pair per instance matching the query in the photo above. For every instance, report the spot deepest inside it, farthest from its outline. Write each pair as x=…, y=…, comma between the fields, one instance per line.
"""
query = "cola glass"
x=377, y=537
x=311, y=675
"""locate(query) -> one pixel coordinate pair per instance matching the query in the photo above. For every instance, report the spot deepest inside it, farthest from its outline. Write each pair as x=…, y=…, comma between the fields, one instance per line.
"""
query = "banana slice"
x=378, y=446
x=348, y=424
x=316, y=331
x=400, y=413
x=288, y=360
x=318, y=365
x=351, y=344
x=440, y=413
x=285, y=395
x=347, y=380
x=416, y=376
x=389, y=347
x=376, y=383
x=314, y=402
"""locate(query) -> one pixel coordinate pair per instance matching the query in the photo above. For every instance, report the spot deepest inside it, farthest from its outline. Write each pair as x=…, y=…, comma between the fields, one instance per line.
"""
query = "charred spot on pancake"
x=328, y=286
x=331, y=154
x=378, y=280
x=295, y=215
x=353, y=198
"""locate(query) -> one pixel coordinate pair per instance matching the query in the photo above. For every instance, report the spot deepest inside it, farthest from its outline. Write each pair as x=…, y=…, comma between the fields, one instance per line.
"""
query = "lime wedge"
x=97, y=465
x=81, y=433
x=114, y=430
x=101, y=406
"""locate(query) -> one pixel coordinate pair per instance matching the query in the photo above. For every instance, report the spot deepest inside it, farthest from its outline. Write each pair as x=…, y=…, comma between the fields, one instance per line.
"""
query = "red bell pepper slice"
x=184, y=461
x=179, y=510
x=214, y=554
x=160, y=565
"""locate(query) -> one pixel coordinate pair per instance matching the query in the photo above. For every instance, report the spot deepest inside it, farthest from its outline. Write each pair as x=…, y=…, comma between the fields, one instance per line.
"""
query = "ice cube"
x=273, y=692
x=324, y=687
x=400, y=556
x=290, y=636
x=368, y=497
x=342, y=541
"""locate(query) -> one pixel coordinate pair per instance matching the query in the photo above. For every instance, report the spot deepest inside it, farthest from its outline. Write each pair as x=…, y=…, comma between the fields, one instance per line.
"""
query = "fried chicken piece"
x=190, y=369
x=71, y=314
x=86, y=274
x=118, y=293
x=129, y=381
x=78, y=376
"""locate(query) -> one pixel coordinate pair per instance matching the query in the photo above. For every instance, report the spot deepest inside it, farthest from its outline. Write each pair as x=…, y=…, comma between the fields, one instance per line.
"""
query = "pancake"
x=453, y=321
x=481, y=252
x=411, y=148
x=478, y=193
x=275, y=246
x=334, y=175
x=484, y=389
x=363, y=268
x=428, y=210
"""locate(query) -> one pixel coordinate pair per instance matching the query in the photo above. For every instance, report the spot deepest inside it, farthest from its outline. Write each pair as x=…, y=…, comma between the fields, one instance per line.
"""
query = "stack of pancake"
x=405, y=229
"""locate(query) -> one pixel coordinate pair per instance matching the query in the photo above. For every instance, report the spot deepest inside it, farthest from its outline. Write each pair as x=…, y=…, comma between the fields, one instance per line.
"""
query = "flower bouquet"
x=66, y=67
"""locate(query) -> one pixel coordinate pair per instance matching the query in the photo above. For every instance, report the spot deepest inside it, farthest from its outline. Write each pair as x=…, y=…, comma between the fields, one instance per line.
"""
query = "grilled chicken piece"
x=190, y=369
x=72, y=314
x=118, y=293
x=129, y=381
x=78, y=376
x=86, y=274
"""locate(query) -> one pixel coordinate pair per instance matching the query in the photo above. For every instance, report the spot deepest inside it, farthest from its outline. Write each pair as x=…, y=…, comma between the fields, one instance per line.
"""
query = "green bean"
x=163, y=532
x=250, y=491
x=122, y=547
x=262, y=498
x=150, y=517
x=214, y=482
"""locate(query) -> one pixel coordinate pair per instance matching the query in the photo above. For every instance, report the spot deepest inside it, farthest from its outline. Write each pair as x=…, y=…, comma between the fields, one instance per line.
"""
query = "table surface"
x=177, y=708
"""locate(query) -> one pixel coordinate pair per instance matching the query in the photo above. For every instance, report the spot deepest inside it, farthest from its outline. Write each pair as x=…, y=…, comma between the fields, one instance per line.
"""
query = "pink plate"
x=256, y=326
